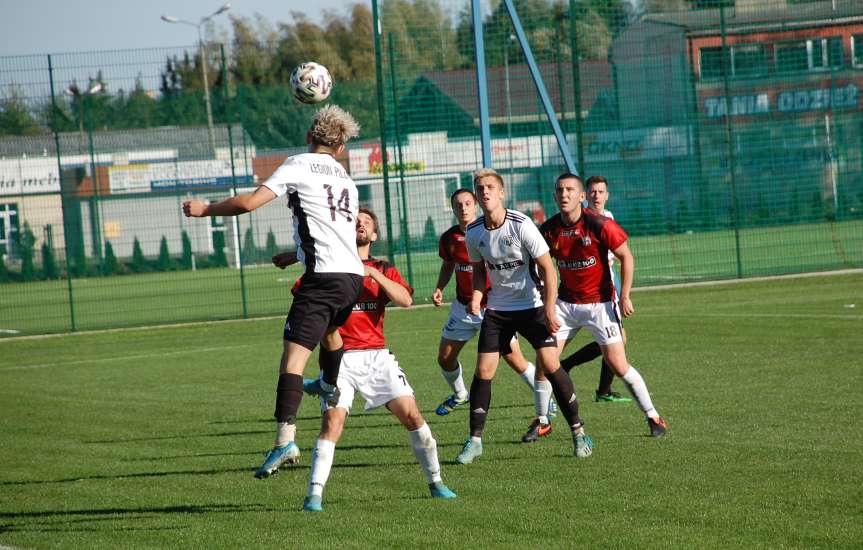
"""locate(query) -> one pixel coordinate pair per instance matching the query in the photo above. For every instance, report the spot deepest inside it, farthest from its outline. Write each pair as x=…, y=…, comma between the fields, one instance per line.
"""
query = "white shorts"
x=601, y=319
x=374, y=374
x=461, y=325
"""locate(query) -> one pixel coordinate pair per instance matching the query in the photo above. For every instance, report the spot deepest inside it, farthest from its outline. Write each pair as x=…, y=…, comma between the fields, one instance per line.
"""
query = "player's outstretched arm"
x=232, y=206
x=443, y=277
x=284, y=259
x=627, y=273
x=549, y=295
x=397, y=294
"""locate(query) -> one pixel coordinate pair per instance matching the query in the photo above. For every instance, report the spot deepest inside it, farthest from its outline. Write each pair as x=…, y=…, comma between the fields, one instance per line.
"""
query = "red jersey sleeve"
x=613, y=235
x=443, y=248
x=393, y=274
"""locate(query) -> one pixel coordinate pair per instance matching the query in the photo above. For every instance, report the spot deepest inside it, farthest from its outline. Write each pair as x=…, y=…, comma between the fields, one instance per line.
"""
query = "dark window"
x=749, y=60
x=834, y=52
x=791, y=57
x=857, y=50
x=711, y=63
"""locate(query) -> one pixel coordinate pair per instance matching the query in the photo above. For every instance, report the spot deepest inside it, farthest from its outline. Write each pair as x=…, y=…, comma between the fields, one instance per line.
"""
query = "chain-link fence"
x=730, y=134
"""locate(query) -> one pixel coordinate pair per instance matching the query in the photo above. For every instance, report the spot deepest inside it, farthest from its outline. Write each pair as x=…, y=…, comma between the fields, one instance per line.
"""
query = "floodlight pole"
x=540, y=86
x=481, y=83
x=171, y=19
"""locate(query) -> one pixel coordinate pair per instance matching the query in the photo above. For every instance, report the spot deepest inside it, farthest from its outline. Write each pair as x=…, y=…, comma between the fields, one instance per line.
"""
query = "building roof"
x=189, y=141
x=460, y=87
x=752, y=16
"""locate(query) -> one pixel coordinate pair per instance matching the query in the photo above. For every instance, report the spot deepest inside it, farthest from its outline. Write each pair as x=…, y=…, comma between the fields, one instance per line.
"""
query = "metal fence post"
x=382, y=117
x=729, y=138
x=227, y=113
x=403, y=188
x=71, y=294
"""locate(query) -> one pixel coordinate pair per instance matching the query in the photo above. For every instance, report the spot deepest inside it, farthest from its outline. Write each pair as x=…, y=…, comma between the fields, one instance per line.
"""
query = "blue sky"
x=57, y=26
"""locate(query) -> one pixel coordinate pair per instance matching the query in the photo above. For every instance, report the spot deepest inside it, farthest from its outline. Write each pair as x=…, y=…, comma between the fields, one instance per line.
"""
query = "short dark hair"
x=372, y=215
x=459, y=192
x=593, y=180
x=570, y=176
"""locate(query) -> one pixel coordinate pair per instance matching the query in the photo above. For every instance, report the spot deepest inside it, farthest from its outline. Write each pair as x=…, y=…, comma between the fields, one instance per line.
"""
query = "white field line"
x=766, y=315
x=423, y=306
x=121, y=358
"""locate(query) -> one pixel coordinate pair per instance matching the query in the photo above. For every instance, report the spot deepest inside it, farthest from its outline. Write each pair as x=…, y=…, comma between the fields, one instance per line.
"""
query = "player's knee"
x=414, y=419
x=331, y=427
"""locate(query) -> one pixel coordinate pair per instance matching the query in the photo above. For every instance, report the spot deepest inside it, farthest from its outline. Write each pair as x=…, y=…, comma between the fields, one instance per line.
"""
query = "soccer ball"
x=311, y=82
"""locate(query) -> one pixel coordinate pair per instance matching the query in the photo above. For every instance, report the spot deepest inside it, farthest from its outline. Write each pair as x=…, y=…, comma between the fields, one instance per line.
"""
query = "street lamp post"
x=203, y=46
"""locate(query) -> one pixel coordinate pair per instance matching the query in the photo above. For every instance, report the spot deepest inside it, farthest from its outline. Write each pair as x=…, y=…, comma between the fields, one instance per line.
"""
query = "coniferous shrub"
x=110, y=266
x=163, y=262
x=139, y=262
x=186, y=259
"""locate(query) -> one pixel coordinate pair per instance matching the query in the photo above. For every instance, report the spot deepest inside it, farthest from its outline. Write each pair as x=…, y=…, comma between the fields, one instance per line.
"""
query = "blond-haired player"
x=324, y=201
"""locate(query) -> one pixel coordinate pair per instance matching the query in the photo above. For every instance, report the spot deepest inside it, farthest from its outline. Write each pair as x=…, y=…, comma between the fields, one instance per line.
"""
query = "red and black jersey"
x=452, y=248
x=364, y=328
x=581, y=251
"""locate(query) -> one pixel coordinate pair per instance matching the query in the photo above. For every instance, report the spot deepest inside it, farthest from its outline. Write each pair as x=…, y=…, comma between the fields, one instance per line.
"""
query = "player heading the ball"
x=324, y=201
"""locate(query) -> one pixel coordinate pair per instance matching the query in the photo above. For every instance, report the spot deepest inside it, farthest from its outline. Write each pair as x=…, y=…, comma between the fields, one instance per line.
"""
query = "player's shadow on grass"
x=183, y=509
x=178, y=436
x=127, y=475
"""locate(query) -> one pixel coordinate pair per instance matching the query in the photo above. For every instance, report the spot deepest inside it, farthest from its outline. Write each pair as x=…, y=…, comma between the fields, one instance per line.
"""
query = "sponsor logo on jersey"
x=365, y=306
x=577, y=264
x=327, y=170
x=585, y=240
x=506, y=265
x=467, y=268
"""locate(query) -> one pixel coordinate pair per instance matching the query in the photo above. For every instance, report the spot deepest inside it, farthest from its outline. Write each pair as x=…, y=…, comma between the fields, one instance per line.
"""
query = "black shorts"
x=322, y=300
x=498, y=328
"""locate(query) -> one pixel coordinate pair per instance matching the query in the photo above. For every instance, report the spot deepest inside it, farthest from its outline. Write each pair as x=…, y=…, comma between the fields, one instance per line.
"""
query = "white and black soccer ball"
x=311, y=82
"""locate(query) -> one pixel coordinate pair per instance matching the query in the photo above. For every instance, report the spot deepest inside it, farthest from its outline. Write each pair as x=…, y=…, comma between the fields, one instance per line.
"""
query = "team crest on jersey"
x=481, y=244
x=508, y=240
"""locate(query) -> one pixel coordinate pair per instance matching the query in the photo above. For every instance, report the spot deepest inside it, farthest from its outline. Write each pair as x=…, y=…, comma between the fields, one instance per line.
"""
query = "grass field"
x=148, y=438
x=175, y=297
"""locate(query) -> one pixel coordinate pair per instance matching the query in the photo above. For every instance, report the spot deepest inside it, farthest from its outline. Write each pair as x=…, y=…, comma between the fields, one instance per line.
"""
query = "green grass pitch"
x=148, y=438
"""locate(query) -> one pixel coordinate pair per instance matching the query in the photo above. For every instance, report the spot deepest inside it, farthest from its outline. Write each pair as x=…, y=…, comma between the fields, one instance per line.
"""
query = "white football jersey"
x=508, y=252
x=324, y=201
x=608, y=214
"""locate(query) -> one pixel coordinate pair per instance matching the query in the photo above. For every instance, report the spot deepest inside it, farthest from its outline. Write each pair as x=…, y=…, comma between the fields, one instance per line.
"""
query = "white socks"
x=635, y=383
x=528, y=375
x=322, y=463
x=455, y=381
x=541, y=398
x=285, y=433
x=425, y=449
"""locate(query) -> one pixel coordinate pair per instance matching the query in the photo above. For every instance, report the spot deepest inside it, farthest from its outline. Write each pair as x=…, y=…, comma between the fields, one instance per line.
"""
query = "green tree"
x=15, y=117
x=110, y=266
x=430, y=236
x=4, y=271
x=186, y=258
x=49, y=264
x=218, y=257
x=250, y=251
x=163, y=262
x=139, y=262
x=26, y=242
x=271, y=247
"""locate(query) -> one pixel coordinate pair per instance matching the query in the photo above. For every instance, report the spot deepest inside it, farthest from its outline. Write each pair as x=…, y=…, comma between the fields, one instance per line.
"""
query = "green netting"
x=730, y=134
